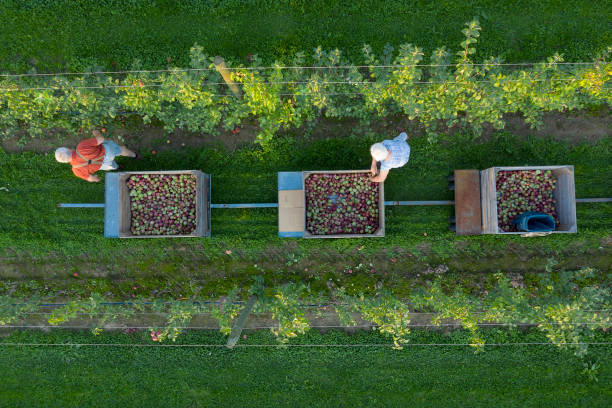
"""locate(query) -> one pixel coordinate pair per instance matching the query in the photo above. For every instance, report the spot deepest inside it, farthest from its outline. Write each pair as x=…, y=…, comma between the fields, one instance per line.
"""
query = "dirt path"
x=576, y=127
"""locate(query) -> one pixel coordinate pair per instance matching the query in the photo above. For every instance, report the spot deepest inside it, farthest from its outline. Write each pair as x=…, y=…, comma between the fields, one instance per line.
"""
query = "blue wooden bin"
x=117, y=216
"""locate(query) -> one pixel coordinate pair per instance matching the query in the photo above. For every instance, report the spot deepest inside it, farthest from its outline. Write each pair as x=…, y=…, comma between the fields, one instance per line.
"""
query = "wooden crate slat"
x=290, y=219
x=488, y=201
x=468, y=214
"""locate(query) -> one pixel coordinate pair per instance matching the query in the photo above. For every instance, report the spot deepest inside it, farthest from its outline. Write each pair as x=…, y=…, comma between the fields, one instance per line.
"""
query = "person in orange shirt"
x=92, y=155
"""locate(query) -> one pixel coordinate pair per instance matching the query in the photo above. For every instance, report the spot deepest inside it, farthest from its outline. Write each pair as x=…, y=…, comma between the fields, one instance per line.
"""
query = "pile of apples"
x=340, y=203
x=162, y=204
x=519, y=191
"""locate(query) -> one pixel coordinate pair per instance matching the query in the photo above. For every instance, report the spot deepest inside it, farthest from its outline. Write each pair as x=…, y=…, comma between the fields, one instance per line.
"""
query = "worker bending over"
x=391, y=154
x=92, y=155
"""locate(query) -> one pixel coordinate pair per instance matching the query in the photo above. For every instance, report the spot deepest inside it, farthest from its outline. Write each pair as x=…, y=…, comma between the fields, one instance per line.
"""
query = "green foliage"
x=96, y=309
x=569, y=312
x=390, y=315
x=564, y=305
x=227, y=311
x=457, y=306
x=470, y=95
x=284, y=307
x=591, y=371
x=179, y=315
x=12, y=309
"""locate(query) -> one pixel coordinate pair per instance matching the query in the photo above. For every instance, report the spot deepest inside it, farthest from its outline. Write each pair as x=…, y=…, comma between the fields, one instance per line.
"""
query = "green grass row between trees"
x=60, y=241
x=54, y=35
x=452, y=376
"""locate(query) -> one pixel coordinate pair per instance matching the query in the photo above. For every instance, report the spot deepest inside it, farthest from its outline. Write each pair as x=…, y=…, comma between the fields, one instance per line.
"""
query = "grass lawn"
x=69, y=34
x=452, y=376
x=46, y=243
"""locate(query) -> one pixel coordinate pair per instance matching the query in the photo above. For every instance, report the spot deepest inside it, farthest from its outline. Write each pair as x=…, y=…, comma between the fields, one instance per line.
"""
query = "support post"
x=240, y=322
x=220, y=65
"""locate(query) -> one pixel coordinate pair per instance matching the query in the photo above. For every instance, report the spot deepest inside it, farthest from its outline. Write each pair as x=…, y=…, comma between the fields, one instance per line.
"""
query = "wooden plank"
x=565, y=194
x=290, y=204
x=249, y=205
x=125, y=213
x=291, y=219
x=488, y=201
x=290, y=199
x=240, y=322
x=219, y=63
x=468, y=213
x=290, y=211
x=208, y=198
x=201, y=193
x=207, y=204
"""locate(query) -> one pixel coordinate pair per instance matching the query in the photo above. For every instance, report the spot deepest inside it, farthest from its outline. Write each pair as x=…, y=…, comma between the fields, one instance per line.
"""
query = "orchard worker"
x=391, y=154
x=92, y=155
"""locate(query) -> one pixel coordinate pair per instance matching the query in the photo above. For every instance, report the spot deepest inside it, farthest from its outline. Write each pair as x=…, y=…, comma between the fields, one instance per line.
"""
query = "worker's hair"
x=63, y=155
x=378, y=151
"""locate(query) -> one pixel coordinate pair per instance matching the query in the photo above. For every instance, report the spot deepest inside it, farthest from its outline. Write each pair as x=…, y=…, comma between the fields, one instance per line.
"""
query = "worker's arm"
x=373, y=167
x=98, y=136
x=381, y=177
x=401, y=137
x=93, y=178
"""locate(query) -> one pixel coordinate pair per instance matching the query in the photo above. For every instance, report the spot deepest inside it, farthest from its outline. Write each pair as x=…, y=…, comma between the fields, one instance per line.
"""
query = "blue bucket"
x=532, y=221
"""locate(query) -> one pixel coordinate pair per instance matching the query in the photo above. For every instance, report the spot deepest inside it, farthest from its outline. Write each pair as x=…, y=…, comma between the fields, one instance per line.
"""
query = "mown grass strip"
x=416, y=376
x=68, y=34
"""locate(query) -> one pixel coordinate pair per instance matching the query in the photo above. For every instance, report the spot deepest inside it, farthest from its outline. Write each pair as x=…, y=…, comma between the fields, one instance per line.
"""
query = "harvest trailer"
x=476, y=203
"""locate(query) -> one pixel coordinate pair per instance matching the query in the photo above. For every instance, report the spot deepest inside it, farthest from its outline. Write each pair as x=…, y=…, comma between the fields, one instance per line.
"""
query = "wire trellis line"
x=458, y=325
x=331, y=306
x=10, y=344
x=34, y=74
x=174, y=327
